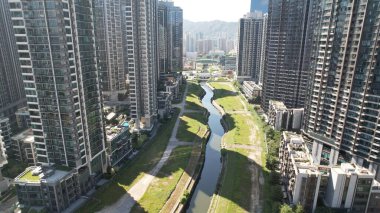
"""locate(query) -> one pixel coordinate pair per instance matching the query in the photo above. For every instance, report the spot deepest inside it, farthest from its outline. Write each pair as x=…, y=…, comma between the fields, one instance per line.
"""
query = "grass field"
x=240, y=129
x=226, y=96
x=166, y=180
x=133, y=171
x=191, y=126
x=194, y=96
x=235, y=192
x=236, y=184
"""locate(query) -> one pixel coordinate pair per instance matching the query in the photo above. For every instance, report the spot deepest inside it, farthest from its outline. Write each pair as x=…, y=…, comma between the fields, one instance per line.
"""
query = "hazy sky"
x=208, y=10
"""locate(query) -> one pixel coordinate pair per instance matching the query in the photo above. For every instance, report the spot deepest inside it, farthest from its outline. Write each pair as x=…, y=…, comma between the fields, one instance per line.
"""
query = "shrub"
x=185, y=197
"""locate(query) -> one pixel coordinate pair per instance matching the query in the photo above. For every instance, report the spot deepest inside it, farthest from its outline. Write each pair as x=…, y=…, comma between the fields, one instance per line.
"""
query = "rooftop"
x=299, y=152
x=26, y=136
x=36, y=174
x=349, y=168
x=252, y=84
x=277, y=104
x=115, y=129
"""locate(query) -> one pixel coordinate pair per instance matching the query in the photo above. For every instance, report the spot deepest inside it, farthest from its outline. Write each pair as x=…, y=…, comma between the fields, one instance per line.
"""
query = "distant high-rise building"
x=56, y=45
x=141, y=25
x=259, y=5
x=190, y=42
x=111, y=54
x=264, y=49
x=230, y=45
x=343, y=108
x=287, y=66
x=12, y=95
x=170, y=35
x=222, y=44
x=250, y=49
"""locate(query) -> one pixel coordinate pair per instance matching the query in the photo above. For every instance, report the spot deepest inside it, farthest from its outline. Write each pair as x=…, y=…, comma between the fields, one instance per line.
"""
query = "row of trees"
x=273, y=139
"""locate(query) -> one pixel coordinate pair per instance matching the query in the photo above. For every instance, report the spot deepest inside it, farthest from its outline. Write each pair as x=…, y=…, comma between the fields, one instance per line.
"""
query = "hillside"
x=211, y=28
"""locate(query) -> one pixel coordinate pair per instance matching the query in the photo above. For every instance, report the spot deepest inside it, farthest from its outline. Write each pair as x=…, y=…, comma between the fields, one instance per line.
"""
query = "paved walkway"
x=135, y=193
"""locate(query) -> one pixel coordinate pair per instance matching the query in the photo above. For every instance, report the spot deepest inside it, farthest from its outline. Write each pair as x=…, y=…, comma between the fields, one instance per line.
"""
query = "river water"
x=205, y=188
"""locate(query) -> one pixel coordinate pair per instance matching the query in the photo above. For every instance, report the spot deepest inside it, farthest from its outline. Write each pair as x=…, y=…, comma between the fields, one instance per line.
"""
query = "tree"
x=276, y=193
x=285, y=208
x=299, y=209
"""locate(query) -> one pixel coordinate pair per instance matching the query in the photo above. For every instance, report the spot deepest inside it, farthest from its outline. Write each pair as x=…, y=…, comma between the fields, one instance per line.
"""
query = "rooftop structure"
x=47, y=187
x=300, y=176
x=347, y=186
x=282, y=118
x=251, y=89
x=119, y=144
x=23, y=147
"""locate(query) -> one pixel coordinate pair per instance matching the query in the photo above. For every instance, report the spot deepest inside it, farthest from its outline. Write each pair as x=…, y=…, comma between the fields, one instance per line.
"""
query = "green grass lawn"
x=226, y=96
x=235, y=185
x=235, y=191
x=191, y=126
x=194, y=95
x=240, y=128
x=160, y=189
x=133, y=171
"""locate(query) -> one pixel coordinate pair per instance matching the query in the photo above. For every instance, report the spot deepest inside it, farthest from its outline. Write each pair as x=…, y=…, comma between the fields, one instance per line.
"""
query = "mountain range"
x=212, y=29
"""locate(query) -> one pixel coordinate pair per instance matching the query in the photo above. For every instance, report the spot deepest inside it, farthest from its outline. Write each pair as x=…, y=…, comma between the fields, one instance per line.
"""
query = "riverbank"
x=206, y=183
x=242, y=158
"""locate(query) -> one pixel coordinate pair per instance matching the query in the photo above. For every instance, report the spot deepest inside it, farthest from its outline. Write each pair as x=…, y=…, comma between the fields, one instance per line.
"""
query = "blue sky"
x=208, y=10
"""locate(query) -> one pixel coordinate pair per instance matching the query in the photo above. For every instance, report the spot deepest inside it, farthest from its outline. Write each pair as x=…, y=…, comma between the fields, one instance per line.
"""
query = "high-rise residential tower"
x=343, y=108
x=190, y=42
x=170, y=37
x=264, y=50
x=12, y=95
x=56, y=45
x=110, y=34
x=251, y=51
x=288, y=49
x=141, y=38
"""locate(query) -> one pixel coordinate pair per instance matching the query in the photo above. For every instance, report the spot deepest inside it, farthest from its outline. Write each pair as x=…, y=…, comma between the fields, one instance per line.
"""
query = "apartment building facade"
x=289, y=40
x=250, y=48
x=141, y=19
x=12, y=95
x=342, y=112
x=170, y=37
x=110, y=33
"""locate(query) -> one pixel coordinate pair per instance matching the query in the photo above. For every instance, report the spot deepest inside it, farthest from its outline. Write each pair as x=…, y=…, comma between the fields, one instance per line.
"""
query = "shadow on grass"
x=195, y=93
x=235, y=184
x=191, y=125
x=223, y=93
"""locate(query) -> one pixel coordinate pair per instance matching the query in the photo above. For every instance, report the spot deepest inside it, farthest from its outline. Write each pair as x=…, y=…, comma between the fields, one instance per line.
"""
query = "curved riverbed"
x=205, y=188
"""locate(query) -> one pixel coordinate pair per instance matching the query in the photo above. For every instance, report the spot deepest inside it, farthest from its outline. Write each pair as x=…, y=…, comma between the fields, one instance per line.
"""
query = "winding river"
x=205, y=188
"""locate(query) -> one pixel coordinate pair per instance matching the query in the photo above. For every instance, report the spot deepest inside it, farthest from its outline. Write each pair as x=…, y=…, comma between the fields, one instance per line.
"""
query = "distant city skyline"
x=210, y=10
